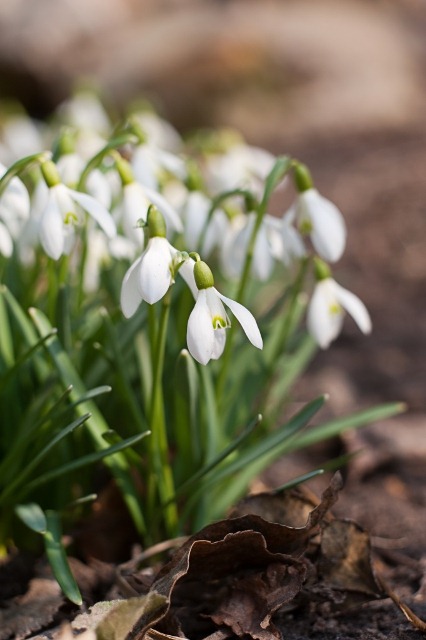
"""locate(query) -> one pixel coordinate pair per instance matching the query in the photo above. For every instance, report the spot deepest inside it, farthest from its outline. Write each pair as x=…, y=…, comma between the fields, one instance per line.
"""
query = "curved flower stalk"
x=208, y=321
x=62, y=212
x=317, y=217
x=151, y=275
x=327, y=309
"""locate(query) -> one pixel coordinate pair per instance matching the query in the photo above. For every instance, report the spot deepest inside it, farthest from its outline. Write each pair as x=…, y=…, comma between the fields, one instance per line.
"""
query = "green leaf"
x=84, y=461
x=96, y=424
x=58, y=559
x=18, y=481
x=339, y=425
x=33, y=516
x=186, y=418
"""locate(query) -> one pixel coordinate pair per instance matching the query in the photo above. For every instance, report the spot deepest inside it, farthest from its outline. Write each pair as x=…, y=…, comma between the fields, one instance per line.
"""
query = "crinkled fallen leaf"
x=234, y=574
x=31, y=612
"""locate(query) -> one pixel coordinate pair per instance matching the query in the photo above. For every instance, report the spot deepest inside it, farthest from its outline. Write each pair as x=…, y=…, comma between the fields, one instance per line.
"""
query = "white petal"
x=135, y=207
x=325, y=317
x=328, y=226
x=219, y=343
x=144, y=167
x=155, y=276
x=130, y=297
x=98, y=212
x=51, y=229
x=6, y=244
x=195, y=212
x=355, y=307
x=186, y=270
x=246, y=320
x=200, y=336
x=168, y=212
x=263, y=261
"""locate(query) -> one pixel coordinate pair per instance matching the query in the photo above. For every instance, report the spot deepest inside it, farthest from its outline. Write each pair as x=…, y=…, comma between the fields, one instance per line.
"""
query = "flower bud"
x=321, y=269
x=155, y=222
x=124, y=171
x=203, y=275
x=50, y=173
x=302, y=177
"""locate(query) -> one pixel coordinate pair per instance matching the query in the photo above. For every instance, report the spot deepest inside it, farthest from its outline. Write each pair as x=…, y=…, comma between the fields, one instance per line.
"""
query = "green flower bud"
x=203, y=275
x=302, y=177
x=50, y=173
x=321, y=269
x=124, y=171
x=155, y=222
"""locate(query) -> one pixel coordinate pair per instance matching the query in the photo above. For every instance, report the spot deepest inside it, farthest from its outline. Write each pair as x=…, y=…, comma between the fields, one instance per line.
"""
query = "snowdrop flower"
x=318, y=217
x=243, y=166
x=286, y=243
x=195, y=213
x=149, y=162
x=150, y=276
x=327, y=306
x=14, y=212
x=20, y=136
x=207, y=324
x=137, y=200
x=61, y=213
x=267, y=248
x=71, y=166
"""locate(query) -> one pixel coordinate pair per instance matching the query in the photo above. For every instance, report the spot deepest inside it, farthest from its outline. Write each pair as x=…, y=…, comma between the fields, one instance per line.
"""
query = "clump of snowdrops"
x=155, y=316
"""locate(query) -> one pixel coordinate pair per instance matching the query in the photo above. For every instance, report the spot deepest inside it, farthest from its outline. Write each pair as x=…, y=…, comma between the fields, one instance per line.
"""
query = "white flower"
x=148, y=162
x=235, y=244
x=207, y=324
x=195, y=212
x=323, y=221
x=61, y=213
x=242, y=166
x=326, y=311
x=71, y=166
x=14, y=212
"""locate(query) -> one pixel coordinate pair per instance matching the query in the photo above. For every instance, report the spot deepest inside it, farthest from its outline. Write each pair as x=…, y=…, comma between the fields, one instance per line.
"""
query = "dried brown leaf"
x=345, y=559
x=31, y=612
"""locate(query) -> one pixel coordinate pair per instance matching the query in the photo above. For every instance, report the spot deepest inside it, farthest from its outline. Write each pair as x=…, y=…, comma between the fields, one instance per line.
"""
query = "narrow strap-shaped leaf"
x=58, y=558
x=96, y=424
x=84, y=461
x=28, y=469
x=353, y=421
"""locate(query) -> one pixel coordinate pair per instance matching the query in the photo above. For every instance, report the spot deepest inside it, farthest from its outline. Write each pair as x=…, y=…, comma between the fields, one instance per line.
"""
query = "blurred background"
x=339, y=84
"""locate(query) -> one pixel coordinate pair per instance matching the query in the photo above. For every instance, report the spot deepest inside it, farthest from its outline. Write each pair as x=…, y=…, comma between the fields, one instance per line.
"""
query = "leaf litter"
x=277, y=553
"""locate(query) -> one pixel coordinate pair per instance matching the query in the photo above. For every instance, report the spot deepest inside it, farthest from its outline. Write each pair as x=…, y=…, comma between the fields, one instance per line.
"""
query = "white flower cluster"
x=152, y=202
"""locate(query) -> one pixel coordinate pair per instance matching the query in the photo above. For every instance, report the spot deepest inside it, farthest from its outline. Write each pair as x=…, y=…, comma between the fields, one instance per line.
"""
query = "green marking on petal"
x=335, y=309
x=220, y=323
x=70, y=218
x=305, y=227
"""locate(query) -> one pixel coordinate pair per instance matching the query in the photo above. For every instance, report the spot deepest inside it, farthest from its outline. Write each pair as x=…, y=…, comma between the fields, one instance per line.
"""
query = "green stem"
x=97, y=159
x=161, y=471
x=22, y=165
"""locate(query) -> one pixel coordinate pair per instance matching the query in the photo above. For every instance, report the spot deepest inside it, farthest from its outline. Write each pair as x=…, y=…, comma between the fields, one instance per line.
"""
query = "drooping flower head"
x=61, y=214
x=328, y=305
x=317, y=217
x=151, y=275
x=208, y=321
